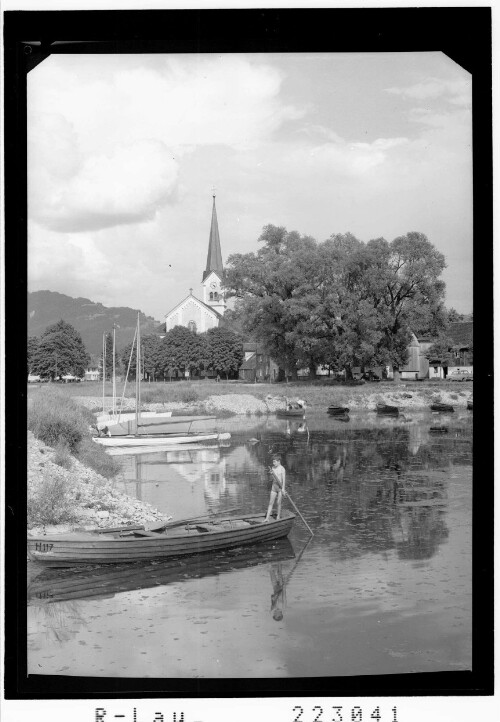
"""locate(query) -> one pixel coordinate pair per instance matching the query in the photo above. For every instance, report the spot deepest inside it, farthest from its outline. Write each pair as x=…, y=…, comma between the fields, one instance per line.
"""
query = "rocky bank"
x=94, y=500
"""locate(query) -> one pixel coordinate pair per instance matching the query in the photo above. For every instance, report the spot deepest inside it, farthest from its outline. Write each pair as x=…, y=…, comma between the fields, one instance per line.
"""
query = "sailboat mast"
x=138, y=377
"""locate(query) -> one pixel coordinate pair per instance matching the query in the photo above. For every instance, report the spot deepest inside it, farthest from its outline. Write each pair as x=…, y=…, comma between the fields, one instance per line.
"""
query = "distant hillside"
x=90, y=319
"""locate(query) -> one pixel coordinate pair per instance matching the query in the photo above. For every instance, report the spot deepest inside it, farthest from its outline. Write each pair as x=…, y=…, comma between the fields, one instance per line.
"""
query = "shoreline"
x=254, y=402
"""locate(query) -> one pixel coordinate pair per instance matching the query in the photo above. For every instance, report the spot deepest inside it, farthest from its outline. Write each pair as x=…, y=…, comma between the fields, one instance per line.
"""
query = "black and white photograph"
x=250, y=365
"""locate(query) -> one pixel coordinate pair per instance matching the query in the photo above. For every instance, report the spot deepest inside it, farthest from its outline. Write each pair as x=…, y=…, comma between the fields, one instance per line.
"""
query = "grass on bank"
x=57, y=421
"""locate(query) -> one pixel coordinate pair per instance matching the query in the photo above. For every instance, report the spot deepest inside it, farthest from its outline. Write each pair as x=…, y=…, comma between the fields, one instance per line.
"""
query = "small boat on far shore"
x=288, y=413
x=438, y=406
x=469, y=405
x=338, y=410
x=387, y=409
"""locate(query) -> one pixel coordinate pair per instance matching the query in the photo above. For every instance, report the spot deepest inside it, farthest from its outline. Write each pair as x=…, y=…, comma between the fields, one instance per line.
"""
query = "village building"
x=197, y=314
x=257, y=364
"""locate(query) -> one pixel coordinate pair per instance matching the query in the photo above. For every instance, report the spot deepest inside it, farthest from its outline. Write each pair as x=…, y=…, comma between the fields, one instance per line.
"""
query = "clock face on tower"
x=213, y=285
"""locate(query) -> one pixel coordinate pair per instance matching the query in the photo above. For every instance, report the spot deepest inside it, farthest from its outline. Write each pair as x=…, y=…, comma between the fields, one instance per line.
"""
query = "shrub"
x=52, y=417
x=62, y=455
x=189, y=396
x=51, y=501
x=92, y=455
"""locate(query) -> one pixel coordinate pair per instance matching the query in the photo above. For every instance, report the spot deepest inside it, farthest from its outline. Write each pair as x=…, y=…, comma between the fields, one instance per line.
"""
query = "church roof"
x=202, y=303
x=214, y=257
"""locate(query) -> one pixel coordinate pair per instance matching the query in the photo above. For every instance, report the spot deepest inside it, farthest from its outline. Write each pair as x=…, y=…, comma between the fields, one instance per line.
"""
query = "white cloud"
x=105, y=148
x=126, y=185
x=457, y=91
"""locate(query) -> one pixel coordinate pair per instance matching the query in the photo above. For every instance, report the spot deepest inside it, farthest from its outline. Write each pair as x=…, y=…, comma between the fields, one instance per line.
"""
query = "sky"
x=126, y=151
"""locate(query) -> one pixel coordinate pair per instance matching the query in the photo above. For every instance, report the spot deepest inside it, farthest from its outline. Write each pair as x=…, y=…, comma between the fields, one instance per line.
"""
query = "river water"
x=384, y=586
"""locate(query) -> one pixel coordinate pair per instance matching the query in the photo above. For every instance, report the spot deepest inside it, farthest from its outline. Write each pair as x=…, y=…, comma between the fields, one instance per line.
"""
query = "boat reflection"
x=56, y=585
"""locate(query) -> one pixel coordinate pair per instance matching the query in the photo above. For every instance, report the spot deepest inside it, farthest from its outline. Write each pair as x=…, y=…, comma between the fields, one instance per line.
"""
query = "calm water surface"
x=383, y=587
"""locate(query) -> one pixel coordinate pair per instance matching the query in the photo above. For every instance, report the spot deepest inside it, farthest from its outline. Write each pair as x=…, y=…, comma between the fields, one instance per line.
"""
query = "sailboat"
x=106, y=419
x=156, y=429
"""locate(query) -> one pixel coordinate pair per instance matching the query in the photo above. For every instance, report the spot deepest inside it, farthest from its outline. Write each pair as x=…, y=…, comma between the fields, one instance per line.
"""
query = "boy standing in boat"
x=278, y=488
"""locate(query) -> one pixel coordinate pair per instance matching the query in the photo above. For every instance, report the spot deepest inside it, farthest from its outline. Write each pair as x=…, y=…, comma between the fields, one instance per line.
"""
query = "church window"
x=192, y=326
x=211, y=296
x=216, y=296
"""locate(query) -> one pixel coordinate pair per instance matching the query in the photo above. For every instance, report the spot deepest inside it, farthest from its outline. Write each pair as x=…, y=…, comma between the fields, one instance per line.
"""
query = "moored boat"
x=338, y=410
x=56, y=585
x=154, y=440
x=469, y=405
x=438, y=406
x=201, y=534
x=387, y=409
x=287, y=413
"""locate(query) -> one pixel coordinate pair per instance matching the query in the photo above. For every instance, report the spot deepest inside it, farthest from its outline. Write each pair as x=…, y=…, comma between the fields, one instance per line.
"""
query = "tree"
x=225, y=351
x=440, y=351
x=32, y=347
x=453, y=316
x=60, y=351
x=402, y=281
x=184, y=350
x=341, y=302
x=152, y=361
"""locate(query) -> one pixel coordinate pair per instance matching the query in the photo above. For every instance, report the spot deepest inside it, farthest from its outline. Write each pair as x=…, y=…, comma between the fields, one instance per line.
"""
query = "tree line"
x=60, y=351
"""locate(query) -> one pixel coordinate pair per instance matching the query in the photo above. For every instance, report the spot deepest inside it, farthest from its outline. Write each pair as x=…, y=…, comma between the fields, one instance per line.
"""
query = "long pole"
x=114, y=370
x=287, y=496
x=103, y=370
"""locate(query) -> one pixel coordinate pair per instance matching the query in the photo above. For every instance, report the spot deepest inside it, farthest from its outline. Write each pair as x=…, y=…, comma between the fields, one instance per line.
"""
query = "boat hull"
x=289, y=413
x=387, y=410
x=446, y=408
x=129, y=546
x=110, y=419
x=338, y=410
x=152, y=440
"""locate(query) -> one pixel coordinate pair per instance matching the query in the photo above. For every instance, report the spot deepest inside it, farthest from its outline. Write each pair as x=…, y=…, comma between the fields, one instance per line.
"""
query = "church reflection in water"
x=188, y=481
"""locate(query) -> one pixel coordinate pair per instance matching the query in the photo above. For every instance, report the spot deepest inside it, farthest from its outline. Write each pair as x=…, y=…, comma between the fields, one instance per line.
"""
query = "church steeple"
x=214, y=257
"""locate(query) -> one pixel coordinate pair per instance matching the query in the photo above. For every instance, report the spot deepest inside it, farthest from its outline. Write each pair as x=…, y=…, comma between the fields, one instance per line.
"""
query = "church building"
x=200, y=315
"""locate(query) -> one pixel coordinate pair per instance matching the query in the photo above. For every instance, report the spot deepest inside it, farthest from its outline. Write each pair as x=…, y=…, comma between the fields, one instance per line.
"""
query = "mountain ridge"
x=90, y=318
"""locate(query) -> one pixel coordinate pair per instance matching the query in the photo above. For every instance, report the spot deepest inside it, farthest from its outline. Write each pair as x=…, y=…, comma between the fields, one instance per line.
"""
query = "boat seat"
x=148, y=533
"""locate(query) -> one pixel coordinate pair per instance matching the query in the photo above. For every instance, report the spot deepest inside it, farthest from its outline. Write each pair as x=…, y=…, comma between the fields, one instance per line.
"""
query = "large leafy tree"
x=60, y=351
x=341, y=302
x=225, y=351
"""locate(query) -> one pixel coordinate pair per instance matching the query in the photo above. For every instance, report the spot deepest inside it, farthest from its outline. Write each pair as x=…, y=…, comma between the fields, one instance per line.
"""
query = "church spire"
x=214, y=257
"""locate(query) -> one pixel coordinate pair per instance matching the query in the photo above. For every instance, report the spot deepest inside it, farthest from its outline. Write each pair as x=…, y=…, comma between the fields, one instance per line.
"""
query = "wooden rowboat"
x=338, y=410
x=386, y=409
x=438, y=406
x=56, y=585
x=123, y=544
